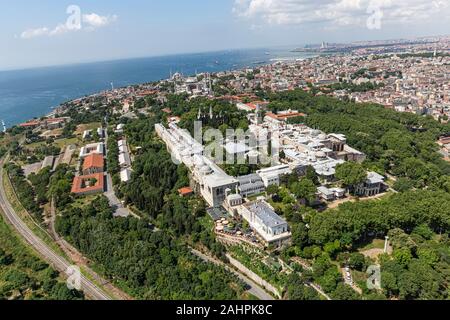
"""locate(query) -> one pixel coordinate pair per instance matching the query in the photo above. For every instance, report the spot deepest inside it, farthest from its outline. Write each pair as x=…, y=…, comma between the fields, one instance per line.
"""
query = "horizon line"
x=65, y=64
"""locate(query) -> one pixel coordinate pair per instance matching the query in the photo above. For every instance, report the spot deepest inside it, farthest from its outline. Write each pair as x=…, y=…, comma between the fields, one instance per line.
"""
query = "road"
x=319, y=290
x=254, y=289
x=90, y=289
x=114, y=202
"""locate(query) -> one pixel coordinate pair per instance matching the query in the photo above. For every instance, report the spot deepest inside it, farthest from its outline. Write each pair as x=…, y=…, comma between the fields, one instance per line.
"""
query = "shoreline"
x=268, y=62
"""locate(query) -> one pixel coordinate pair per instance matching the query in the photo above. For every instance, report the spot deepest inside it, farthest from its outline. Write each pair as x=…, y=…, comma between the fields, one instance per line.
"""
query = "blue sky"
x=34, y=33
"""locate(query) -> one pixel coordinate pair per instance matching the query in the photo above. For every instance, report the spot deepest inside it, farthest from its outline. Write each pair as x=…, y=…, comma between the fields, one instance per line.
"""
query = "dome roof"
x=321, y=154
x=205, y=170
x=253, y=153
x=198, y=161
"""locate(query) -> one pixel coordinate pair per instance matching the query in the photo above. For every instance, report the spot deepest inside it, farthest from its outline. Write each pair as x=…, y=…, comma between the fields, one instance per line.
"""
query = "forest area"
x=24, y=276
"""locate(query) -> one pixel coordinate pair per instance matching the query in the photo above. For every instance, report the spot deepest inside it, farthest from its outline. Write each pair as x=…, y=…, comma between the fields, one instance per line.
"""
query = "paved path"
x=316, y=287
x=254, y=289
x=114, y=202
x=61, y=264
x=319, y=290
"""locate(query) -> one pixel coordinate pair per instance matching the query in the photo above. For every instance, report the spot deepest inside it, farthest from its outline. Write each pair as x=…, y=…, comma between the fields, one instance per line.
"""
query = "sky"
x=54, y=32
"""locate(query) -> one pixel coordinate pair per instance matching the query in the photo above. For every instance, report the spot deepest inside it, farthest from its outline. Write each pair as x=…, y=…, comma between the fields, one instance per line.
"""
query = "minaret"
x=258, y=115
x=199, y=114
x=211, y=114
x=386, y=245
x=210, y=83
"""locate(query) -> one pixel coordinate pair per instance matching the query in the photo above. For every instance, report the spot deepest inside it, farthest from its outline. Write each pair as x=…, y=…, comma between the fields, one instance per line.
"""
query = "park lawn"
x=63, y=143
x=90, y=126
x=35, y=145
x=375, y=244
x=82, y=201
x=360, y=278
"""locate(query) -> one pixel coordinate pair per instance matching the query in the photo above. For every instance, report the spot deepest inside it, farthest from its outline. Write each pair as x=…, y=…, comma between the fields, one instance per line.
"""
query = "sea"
x=26, y=94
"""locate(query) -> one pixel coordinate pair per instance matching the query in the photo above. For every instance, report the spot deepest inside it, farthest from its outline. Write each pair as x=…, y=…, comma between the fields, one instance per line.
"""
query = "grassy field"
x=375, y=244
x=90, y=126
x=61, y=143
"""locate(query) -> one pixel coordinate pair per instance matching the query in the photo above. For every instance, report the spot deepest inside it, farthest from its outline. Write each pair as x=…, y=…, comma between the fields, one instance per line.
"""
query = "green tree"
x=403, y=184
x=300, y=235
x=351, y=174
x=357, y=261
x=305, y=190
x=344, y=292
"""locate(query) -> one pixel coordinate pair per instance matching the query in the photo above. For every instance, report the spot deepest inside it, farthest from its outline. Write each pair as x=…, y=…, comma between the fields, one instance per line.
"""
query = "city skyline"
x=49, y=33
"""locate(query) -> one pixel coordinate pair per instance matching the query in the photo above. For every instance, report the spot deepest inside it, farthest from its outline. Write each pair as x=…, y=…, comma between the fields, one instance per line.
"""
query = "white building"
x=270, y=227
x=101, y=133
x=250, y=185
x=94, y=148
x=271, y=176
x=373, y=185
x=124, y=160
x=87, y=134
x=125, y=175
x=330, y=194
x=209, y=179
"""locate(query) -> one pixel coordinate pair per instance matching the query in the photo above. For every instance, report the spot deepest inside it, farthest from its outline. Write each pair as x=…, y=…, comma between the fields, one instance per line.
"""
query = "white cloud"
x=59, y=29
x=96, y=21
x=332, y=13
x=33, y=33
x=91, y=22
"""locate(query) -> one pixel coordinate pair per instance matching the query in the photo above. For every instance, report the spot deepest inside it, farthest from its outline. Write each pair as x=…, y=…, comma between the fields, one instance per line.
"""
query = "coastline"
x=41, y=100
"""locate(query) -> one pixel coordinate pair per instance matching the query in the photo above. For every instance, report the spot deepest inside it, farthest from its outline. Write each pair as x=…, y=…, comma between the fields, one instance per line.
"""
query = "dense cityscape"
x=348, y=172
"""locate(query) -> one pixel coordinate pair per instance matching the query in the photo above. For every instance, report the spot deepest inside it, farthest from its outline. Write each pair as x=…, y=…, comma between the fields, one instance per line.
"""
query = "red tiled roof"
x=30, y=124
x=93, y=161
x=185, y=191
x=77, y=186
x=285, y=116
x=56, y=120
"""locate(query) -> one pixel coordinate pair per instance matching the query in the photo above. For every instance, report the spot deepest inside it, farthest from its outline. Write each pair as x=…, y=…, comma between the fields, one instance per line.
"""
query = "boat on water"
x=4, y=126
